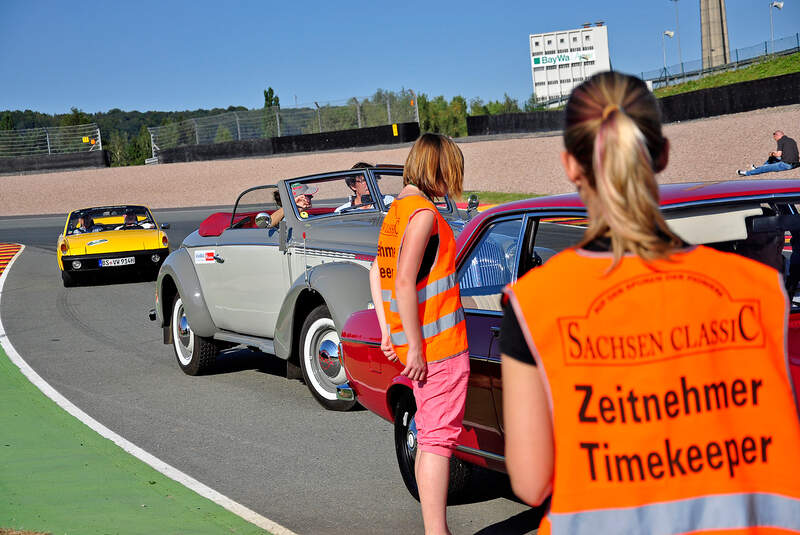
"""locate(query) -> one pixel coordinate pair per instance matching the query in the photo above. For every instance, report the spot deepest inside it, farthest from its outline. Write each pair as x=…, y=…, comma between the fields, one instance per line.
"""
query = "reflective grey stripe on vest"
x=726, y=511
x=386, y=295
x=431, y=290
x=433, y=328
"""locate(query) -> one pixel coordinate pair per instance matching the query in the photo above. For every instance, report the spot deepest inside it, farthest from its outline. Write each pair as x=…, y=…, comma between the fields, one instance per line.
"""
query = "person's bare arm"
x=528, y=431
x=377, y=300
x=275, y=217
x=415, y=240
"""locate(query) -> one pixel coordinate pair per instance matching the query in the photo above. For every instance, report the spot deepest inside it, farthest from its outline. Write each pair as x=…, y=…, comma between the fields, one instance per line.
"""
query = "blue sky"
x=173, y=55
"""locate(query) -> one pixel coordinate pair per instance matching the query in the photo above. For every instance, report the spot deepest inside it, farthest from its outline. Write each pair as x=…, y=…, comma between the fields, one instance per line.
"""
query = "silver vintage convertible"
x=281, y=274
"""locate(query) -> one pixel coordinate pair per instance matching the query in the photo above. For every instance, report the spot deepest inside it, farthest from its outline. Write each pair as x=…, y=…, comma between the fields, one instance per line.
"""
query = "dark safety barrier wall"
x=515, y=123
x=342, y=139
x=54, y=162
x=734, y=98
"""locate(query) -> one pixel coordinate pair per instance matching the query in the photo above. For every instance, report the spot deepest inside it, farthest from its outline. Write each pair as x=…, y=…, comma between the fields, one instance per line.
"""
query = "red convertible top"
x=215, y=224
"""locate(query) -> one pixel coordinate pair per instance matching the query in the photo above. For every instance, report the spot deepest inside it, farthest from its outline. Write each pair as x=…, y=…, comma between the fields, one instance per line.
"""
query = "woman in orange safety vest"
x=645, y=381
x=416, y=296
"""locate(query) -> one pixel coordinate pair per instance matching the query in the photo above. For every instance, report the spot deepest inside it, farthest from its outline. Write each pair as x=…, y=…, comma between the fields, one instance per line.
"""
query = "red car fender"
x=793, y=343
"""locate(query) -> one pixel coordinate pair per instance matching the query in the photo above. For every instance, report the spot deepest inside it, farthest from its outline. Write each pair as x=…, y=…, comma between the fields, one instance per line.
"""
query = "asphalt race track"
x=245, y=430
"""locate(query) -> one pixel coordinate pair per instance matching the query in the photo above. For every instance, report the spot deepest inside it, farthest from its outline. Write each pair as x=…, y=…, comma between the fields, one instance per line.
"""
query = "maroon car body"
x=502, y=243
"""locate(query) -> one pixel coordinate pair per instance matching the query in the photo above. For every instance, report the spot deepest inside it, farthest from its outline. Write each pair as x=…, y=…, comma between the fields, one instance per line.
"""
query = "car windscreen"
x=101, y=219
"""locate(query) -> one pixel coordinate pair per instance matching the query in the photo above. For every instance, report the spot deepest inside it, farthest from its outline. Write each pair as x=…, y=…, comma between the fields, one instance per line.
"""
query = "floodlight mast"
x=678, y=32
x=778, y=5
x=670, y=34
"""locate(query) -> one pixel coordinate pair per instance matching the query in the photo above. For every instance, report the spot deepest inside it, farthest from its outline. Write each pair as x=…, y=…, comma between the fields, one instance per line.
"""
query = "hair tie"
x=608, y=110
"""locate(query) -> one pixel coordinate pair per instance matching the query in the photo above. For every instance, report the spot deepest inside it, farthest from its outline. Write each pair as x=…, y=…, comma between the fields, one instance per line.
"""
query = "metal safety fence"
x=383, y=108
x=740, y=57
x=50, y=140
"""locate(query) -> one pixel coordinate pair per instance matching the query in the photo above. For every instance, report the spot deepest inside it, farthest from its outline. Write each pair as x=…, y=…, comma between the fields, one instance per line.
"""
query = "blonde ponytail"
x=614, y=130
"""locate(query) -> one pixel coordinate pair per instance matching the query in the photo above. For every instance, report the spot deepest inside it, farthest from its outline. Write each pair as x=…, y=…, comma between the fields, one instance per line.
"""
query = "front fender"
x=179, y=268
x=343, y=286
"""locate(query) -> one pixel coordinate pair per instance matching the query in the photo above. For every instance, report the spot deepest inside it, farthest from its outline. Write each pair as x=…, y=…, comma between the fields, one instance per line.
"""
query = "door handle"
x=495, y=332
x=219, y=259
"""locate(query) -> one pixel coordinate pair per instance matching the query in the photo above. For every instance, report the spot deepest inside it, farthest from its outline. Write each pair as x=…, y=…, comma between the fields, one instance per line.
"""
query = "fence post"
x=152, y=142
x=278, y=119
x=388, y=110
x=358, y=111
x=47, y=135
x=238, y=129
x=196, y=133
x=319, y=119
x=99, y=138
x=416, y=105
x=766, y=50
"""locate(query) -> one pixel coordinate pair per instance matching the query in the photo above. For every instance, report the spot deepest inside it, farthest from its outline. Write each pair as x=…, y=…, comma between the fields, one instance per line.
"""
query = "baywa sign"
x=566, y=57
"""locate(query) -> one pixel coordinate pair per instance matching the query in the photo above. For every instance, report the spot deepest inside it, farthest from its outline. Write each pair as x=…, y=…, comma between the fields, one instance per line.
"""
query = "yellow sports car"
x=111, y=238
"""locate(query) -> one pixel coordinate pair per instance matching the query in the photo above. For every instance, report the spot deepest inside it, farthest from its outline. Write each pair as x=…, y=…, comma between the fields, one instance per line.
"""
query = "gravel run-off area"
x=701, y=150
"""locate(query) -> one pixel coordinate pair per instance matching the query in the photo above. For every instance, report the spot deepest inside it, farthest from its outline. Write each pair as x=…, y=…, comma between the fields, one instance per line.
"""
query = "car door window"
x=548, y=236
x=490, y=266
x=252, y=202
x=333, y=195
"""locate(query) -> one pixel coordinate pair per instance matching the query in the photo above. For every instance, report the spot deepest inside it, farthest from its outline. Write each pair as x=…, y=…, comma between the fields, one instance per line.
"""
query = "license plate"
x=109, y=262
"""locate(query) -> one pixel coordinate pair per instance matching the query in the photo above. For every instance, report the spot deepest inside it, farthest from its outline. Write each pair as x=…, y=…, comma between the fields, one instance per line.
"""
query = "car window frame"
x=326, y=177
x=476, y=239
x=239, y=198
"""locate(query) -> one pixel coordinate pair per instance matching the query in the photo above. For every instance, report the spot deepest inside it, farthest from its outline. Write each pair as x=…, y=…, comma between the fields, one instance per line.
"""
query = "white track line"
x=166, y=469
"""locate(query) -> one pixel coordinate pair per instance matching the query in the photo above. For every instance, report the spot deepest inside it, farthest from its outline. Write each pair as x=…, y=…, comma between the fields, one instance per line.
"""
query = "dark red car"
x=754, y=218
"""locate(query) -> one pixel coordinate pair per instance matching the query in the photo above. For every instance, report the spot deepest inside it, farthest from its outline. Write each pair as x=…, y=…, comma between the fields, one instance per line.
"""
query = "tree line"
x=126, y=138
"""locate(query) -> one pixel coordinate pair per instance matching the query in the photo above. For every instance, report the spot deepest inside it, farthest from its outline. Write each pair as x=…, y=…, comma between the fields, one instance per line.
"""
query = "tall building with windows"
x=561, y=60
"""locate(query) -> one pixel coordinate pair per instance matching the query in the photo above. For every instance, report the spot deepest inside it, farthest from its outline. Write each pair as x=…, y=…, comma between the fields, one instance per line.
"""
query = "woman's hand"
x=387, y=347
x=416, y=368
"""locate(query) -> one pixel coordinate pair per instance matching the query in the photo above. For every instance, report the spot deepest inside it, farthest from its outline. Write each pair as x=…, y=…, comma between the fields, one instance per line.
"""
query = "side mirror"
x=164, y=226
x=472, y=206
x=263, y=220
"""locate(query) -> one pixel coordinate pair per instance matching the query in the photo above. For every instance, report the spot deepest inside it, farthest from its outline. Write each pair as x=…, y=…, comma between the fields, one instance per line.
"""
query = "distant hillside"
x=130, y=122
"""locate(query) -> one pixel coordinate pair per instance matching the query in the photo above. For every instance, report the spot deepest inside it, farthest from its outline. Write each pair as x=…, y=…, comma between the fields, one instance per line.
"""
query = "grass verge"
x=59, y=476
x=765, y=69
x=497, y=197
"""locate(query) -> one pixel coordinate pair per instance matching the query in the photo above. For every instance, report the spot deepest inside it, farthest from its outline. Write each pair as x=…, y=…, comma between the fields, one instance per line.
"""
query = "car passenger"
x=86, y=224
x=130, y=222
x=303, y=194
x=361, y=197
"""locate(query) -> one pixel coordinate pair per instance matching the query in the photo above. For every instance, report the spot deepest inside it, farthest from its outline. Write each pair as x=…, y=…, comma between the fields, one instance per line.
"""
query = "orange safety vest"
x=669, y=390
x=444, y=330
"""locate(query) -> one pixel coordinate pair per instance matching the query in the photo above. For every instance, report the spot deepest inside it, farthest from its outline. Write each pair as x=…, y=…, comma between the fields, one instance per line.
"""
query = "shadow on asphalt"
x=486, y=485
x=519, y=524
x=114, y=277
x=239, y=359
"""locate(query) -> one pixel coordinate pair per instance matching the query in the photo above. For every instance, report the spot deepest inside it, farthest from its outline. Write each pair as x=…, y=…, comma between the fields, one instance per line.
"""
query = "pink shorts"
x=440, y=404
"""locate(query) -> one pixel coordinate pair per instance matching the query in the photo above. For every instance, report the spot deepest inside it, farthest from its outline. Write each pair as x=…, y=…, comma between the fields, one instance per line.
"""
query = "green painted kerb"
x=60, y=477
